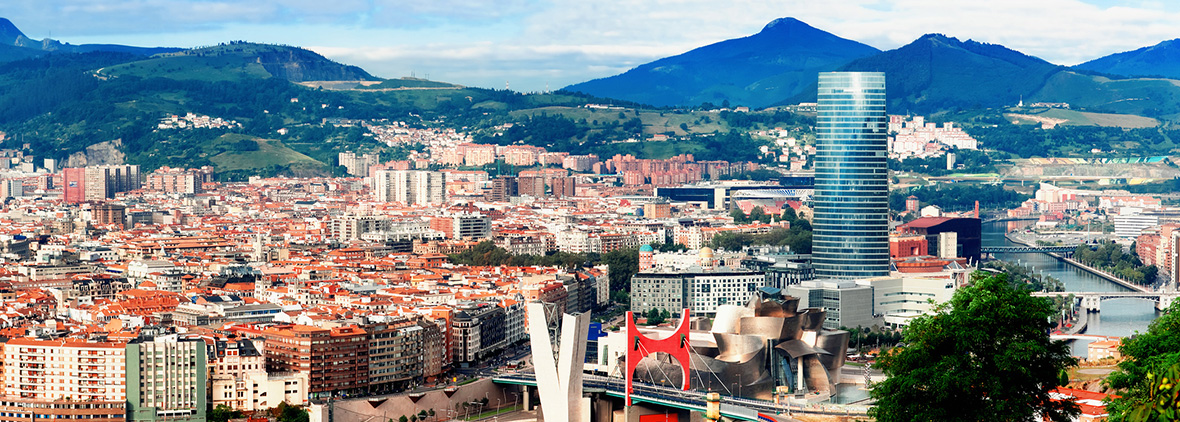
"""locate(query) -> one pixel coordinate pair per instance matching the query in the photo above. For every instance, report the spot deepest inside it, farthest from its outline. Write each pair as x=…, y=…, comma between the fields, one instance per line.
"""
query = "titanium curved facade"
x=851, y=202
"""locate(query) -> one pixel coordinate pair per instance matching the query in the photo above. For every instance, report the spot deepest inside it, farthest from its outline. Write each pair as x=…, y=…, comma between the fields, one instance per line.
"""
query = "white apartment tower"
x=410, y=187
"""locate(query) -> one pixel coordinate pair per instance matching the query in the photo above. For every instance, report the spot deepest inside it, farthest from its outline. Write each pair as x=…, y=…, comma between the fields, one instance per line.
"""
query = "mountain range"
x=11, y=36
x=64, y=99
x=757, y=70
x=935, y=72
x=1161, y=60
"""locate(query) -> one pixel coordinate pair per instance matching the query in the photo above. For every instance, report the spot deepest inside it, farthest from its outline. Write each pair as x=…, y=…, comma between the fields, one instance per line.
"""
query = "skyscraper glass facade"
x=851, y=203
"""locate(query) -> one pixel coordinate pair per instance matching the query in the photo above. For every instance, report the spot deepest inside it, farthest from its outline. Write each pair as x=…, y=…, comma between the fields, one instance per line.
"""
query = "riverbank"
x=1079, y=326
x=1108, y=276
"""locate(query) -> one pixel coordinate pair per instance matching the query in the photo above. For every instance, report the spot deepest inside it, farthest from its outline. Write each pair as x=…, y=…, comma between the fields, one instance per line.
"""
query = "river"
x=1119, y=317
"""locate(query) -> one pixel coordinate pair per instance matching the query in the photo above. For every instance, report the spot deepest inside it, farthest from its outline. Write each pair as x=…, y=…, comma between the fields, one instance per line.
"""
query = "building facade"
x=168, y=380
x=395, y=354
x=846, y=304
x=477, y=331
x=63, y=379
x=410, y=187
x=103, y=182
x=357, y=165
x=335, y=360
x=851, y=202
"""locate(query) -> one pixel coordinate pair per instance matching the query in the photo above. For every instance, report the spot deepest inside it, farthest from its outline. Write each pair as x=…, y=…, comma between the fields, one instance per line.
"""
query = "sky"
x=533, y=45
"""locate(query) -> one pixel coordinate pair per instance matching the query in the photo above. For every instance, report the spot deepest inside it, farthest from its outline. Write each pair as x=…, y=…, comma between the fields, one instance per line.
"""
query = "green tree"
x=623, y=264
x=403, y=419
x=654, y=316
x=1147, y=356
x=757, y=214
x=789, y=215
x=985, y=355
x=739, y=216
x=223, y=413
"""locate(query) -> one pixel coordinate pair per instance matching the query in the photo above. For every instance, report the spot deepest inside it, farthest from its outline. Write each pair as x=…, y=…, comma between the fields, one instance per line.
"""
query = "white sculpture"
x=560, y=383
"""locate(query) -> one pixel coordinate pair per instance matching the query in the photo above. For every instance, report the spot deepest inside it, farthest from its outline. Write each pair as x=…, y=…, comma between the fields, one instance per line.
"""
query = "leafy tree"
x=403, y=419
x=985, y=355
x=1163, y=397
x=1147, y=357
x=1110, y=257
x=739, y=216
x=959, y=197
x=757, y=214
x=655, y=316
x=623, y=264
x=223, y=413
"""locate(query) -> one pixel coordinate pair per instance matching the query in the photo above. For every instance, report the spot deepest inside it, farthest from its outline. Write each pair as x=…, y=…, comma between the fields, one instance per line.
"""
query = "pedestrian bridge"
x=1092, y=301
x=1089, y=337
x=737, y=408
x=1067, y=249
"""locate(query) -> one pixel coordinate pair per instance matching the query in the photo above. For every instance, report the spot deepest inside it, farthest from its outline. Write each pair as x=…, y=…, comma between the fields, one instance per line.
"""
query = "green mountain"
x=239, y=61
x=1162, y=59
x=936, y=73
x=756, y=71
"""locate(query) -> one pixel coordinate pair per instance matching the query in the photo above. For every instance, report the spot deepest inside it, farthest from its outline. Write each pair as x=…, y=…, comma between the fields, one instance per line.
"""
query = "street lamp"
x=515, y=397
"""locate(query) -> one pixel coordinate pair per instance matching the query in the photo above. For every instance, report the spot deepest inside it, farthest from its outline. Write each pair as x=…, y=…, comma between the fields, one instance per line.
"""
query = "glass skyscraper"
x=850, y=237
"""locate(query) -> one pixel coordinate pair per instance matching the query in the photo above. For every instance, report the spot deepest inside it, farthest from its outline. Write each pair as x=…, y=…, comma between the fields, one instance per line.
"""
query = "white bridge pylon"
x=559, y=381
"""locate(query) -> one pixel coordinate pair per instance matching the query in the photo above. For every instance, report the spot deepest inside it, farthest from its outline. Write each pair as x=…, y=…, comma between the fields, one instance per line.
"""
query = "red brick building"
x=73, y=185
x=336, y=360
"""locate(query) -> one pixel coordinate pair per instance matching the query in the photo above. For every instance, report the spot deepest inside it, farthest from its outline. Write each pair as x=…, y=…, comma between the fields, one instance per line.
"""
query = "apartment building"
x=357, y=165
x=103, y=182
x=351, y=227
x=410, y=187
x=395, y=354
x=335, y=360
x=176, y=180
x=478, y=330
x=168, y=376
x=63, y=379
x=238, y=378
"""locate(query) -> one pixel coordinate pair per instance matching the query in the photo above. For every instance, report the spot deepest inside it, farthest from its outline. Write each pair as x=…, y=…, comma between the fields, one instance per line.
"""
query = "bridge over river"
x=1092, y=301
x=1066, y=249
x=738, y=408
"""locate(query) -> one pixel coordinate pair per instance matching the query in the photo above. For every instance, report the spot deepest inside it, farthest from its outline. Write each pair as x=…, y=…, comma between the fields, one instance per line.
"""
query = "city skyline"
x=531, y=46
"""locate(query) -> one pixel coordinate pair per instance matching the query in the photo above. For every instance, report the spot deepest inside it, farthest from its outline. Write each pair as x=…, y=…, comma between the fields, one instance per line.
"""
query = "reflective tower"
x=851, y=202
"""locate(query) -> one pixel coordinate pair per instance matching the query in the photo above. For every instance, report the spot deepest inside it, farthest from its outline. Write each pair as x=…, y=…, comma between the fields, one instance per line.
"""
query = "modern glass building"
x=850, y=237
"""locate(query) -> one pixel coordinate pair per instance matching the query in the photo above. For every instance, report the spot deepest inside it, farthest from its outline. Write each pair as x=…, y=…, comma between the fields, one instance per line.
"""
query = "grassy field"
x=270, y=152
x=1138, y=96
x=1082, y=118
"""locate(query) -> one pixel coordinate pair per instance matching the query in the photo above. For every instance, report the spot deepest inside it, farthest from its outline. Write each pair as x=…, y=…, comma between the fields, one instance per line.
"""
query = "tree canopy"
x=985, y=355
x=1110, y=257
x=1147, y=357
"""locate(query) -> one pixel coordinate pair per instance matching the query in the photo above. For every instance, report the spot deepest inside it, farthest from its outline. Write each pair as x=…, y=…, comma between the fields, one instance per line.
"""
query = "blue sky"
x=534, y=44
